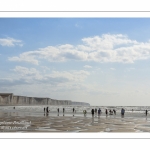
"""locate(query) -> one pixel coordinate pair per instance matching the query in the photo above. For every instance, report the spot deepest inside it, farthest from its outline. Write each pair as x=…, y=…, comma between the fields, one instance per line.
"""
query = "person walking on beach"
x=47, y=110
x=99, y=111
x=58, y=110
x=84, y=112
x=114, y=111
x=73, y=110
x=44, y=109
x=110, y=112
x=92, y=111
x=63, y=110
x=95, y=110
x=146, y=112
x=122, y=111
x=106, y=111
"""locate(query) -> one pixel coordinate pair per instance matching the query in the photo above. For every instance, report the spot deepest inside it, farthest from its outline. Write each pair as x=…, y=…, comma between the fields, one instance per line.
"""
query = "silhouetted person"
x=47, y=110
x=146, y=112
x=122, y=111
x=106, y=111
x=84, y=112
x=110, y=112
x=14, y=107
x=63, y=110
x=73, y=110
x=58, y=110
x=95, y=110
x=92, y=111
x=114, y=111
x=44, y=109
x=99, y=111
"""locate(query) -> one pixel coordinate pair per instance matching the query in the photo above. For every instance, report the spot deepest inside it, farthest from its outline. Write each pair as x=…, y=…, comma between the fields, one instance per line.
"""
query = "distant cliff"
x=15, y=100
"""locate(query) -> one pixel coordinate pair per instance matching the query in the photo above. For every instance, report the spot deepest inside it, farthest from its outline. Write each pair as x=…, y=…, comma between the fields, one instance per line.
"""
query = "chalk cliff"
x=16, y=100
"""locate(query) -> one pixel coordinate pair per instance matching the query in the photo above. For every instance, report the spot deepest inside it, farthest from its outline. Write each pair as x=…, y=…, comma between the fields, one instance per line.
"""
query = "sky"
x=101, y=61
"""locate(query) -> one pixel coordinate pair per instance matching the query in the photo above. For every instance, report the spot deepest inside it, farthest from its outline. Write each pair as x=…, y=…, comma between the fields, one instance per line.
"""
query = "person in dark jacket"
x=47, y=110
x=106, y=111
x=122, y=111
x=92, y=111
x=146, y=112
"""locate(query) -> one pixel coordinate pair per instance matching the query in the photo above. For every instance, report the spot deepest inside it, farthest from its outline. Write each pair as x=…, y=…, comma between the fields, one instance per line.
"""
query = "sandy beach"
x=16, y=121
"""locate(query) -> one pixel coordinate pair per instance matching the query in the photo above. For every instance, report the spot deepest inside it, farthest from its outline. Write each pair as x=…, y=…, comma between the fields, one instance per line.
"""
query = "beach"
x=16, y=120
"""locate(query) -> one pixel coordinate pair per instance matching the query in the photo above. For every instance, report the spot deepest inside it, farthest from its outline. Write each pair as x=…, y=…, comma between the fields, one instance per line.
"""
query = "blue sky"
x=102, y=61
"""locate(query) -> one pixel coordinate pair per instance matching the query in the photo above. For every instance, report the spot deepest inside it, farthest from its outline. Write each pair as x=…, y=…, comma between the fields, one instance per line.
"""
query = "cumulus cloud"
x=72, y=75
x=11, y=82
x=105, y=48
x=10, y=42
x=27, y=57
x=26, y=71
x=25, y=75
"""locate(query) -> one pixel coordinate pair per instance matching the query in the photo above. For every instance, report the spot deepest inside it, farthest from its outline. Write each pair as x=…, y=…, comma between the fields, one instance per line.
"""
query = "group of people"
x=95, y=111
x=63, y=110
x=47, y=110
x=111, y=112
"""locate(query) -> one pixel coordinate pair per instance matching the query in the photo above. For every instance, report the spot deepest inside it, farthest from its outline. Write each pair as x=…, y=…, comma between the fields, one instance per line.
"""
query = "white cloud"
x=73, y=75
x=10, y=42
x=25, y=71
x=107, y=48
x=25, y=75
x=87, y=66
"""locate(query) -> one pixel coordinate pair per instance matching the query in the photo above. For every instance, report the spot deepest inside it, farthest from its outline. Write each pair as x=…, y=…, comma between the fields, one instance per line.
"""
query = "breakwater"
x=16, y=100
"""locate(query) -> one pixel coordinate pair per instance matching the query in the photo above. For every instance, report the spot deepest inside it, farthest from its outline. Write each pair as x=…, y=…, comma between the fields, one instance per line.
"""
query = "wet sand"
x=26, y=122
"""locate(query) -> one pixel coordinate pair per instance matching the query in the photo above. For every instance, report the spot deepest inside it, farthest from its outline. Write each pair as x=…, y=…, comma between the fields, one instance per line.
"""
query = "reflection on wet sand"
x=61, y=122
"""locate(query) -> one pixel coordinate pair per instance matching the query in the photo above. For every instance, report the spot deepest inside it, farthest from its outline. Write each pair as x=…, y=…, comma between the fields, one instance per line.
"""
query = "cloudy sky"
x=101, y=61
